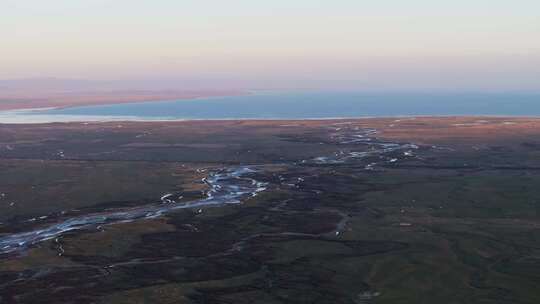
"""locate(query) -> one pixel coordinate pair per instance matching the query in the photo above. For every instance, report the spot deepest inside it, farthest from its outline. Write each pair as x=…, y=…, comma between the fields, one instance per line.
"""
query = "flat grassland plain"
x=410, y=210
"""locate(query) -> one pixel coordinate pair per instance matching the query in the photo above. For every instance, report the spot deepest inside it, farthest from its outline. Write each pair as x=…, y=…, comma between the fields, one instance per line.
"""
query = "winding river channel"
x=230, y=185
x=227, y=186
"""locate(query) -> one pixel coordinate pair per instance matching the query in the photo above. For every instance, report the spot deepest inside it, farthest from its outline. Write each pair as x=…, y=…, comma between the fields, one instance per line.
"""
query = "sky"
x=278, y=44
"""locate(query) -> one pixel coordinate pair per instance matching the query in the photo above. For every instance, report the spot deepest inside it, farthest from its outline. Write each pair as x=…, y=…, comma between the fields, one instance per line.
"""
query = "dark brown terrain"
x=412, y=210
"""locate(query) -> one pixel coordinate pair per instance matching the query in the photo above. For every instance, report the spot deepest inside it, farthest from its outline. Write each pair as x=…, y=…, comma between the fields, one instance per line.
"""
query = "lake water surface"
x=298, y=105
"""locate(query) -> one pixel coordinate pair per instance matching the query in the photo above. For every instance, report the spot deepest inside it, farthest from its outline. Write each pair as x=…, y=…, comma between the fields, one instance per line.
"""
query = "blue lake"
x=311, y=105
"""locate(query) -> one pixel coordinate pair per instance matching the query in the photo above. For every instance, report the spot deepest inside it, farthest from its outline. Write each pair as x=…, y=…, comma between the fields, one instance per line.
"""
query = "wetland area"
x=378, y=210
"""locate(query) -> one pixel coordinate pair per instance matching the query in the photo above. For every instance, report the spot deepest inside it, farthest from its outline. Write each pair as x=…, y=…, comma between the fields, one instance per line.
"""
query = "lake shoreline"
x=136, y=122
x=258, y=105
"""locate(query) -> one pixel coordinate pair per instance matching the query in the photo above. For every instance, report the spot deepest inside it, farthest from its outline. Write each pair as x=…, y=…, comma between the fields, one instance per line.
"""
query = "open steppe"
x=385, y=210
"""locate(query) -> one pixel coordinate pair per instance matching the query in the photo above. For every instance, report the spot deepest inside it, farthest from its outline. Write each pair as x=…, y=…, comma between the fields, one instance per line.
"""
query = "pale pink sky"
x=416, y=44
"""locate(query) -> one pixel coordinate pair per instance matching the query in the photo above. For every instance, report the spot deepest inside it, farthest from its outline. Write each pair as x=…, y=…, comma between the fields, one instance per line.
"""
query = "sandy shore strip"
x=19, y=100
